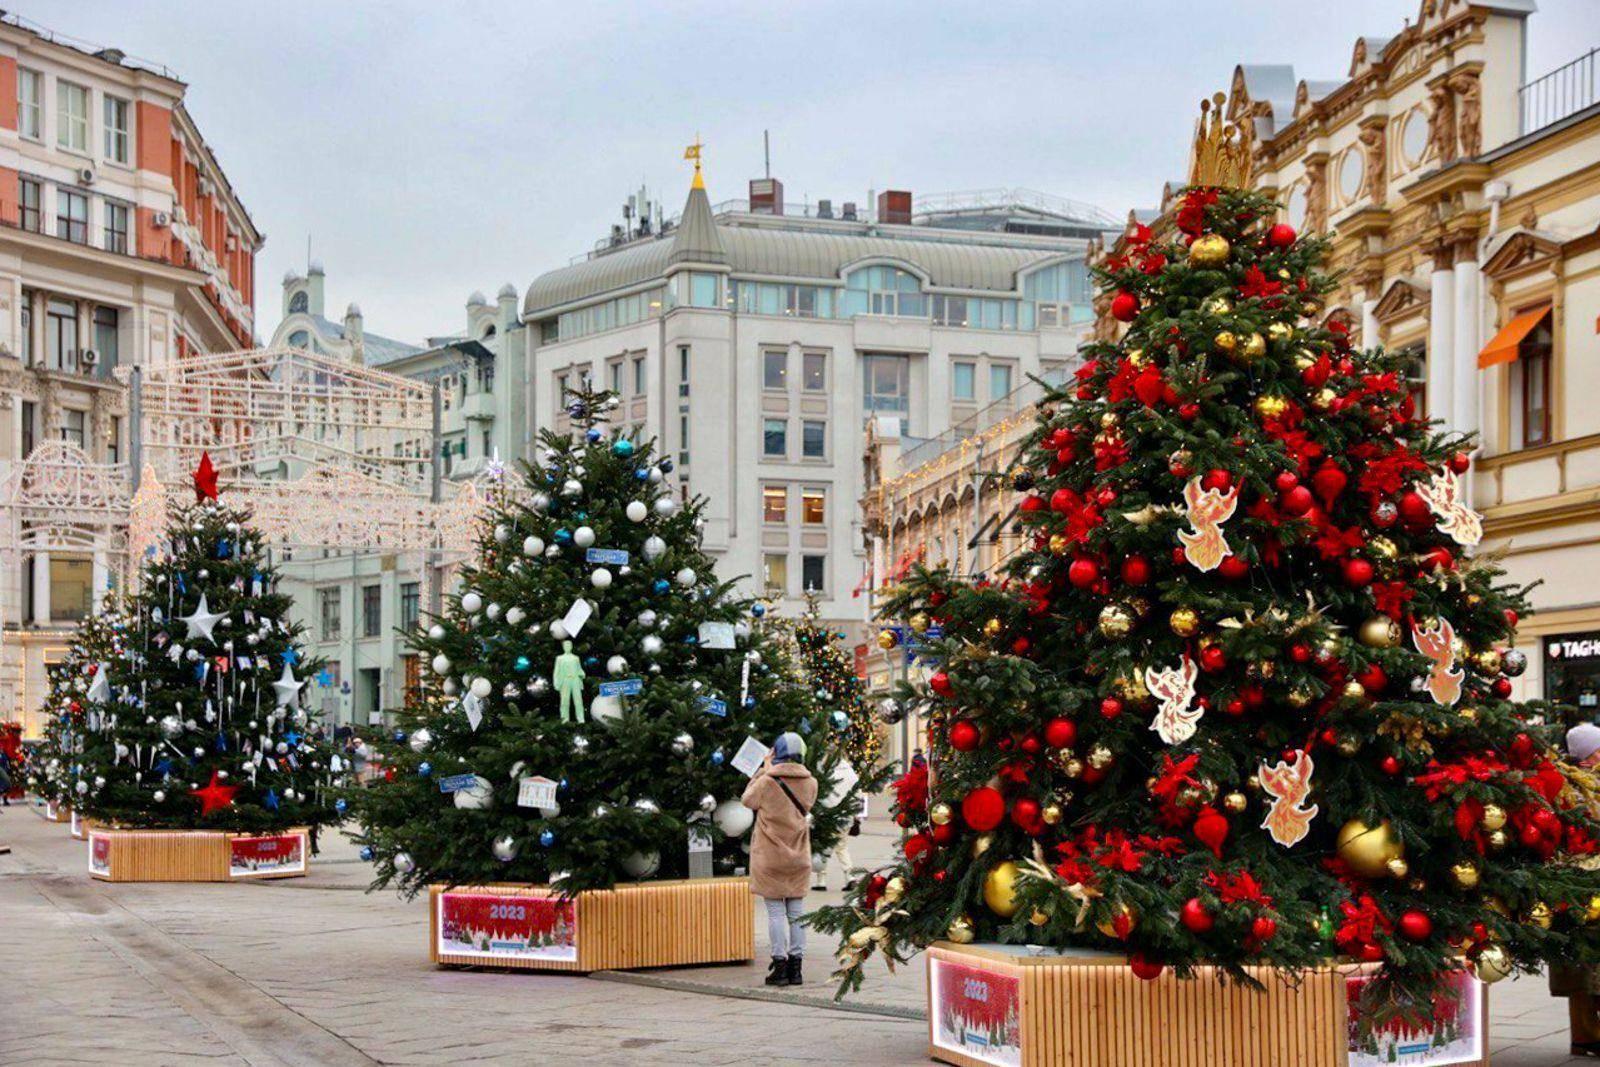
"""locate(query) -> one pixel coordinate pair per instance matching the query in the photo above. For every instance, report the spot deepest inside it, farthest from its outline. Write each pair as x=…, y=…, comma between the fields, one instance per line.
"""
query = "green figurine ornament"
x=567, y=677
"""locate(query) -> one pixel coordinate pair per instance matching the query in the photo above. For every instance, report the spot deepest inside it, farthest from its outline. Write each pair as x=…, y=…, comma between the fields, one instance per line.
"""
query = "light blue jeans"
x=788, y=937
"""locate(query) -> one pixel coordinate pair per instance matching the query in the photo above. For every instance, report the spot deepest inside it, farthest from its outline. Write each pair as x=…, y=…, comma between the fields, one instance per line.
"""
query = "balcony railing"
x=1564, y=91
x=932, y=448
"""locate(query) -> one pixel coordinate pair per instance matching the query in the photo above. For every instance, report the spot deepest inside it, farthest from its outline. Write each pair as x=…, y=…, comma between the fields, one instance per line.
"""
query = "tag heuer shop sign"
x=1572, y=670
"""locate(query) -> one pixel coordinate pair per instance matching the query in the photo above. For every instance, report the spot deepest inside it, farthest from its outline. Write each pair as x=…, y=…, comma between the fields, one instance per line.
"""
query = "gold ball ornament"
x=1216, y=305
x=1209, y=251
x=1487, y=662
x=1493, y=964
x=1380, y=631
x=1253, y=348
x=1398, y=868
x=1000, y=889
x=1109, y=420
x=1051, y=814
x=1058, y=544
x=1496, y=840
x=1468, y=714
x=1464, y=874
x=940, y=813
x=1225, y=341
x=1100, y=757
x=1383, y=548
x=1494, y=817
x=1325, y=399
x=1235, y=802
x=1368, y=849
x=1122, y=921
x=894, y=889
x=1271, y=407
x=992, y=628
x=887, y=639
x=1185, y=622
x=1279, y=332
x=1354, y=690
x=1038, y=918
x=1072, y=768
x=1115, y=621
x=919, y=623
x=960, y=930
x=1591, y=914
x=1539, y=915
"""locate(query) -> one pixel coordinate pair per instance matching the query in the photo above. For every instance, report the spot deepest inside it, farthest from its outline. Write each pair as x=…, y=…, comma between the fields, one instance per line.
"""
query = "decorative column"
x=1466, y=414
x=1442, y=376
x=1370, y=283
x=41, y=589
x=101, y=579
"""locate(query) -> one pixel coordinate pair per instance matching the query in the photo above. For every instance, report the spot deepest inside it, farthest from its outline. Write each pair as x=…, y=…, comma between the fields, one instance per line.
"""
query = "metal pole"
x=436, y=495
x=135, y=425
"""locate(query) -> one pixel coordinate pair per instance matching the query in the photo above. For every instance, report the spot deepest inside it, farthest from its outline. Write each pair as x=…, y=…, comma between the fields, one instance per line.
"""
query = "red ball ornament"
x=1060, y=733
x=1144, y=968
x=1371, y=952
x=1511, y=618
x=1083, y=573
x=983, y=808
x=1233, y=568
x=1286, y=480
x=1234, y=707
x=1194, y=915
x=1063, y=500
x=1211, y=828
x=1025, y=812
x=1213, y=659
x=1357, y=573
x=1414, y=510
x=1265, y=928
x=1179, y=557
x=1501, y=688
x=944, y=833
x=940, y=683
x=1438, y=558
x=1030, y=745
x=1217, y=479
x=878, y=884
x=1389, y=765
x=1281, y=235
x=1189, y=412
x=1136, y=570
x=1124, y=306
x=964, y=736
x=1300, y=652
x=1415, y=926
x=917, y=846
x=1110, y=707
x=1460, y=462
x=1021, y=646
x=1031, y=504
x=940, y=875
x=1372, y=678
x=1297, y=501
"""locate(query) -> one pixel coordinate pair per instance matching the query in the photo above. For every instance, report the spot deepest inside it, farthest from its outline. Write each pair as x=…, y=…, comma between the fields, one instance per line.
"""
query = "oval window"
x=1414, y=137
x=1351, y=166
x=1297, y=204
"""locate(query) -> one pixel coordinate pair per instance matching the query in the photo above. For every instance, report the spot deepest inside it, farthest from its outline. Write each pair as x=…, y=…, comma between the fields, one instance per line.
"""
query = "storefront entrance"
x=1572, y=674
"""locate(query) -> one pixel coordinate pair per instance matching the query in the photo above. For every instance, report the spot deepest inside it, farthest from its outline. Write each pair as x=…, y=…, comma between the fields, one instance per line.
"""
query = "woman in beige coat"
x=781, y=794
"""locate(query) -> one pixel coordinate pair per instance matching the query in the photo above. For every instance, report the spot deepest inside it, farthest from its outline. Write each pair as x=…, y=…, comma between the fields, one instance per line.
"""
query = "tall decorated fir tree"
x=1245, y=696
x=830, y=670
x=99, y=641
x=198, y=724
x=592, y=685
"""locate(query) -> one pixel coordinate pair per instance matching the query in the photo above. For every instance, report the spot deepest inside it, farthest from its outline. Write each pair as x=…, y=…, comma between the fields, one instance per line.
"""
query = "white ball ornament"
x=515, y=615
x=601, y=578
x=450, y=688
x=650, y=645
x=420, y=739
x=685, y=577
x=505, y=848
x=481, y=688
x=583, y=536
x=493, y=611
x=558, y=630
x=502, y=533
x=403, y=863
x=647, y=618
x=655, y=475
x=553, y=552
x=666, y=506
x=571, y=487
x=682, y=745
x=476, y=796
x=733, y=818
x=160, y=797
x=636, y=511
x=532, y=546
x=471, y=602
x=654, y=547
x=441, y=664
x=539, y=501
x=81, y=787
x=641, y=864
x=616, y=665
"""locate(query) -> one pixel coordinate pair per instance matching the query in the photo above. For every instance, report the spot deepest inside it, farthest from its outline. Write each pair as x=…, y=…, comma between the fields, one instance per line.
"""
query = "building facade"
x=357, y=605
x=758, y=345
x=1463, y=195
x=122, y=244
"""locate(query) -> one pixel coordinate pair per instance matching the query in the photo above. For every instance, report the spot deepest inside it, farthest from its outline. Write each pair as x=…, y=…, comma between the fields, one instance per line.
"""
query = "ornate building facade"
x=122, y=245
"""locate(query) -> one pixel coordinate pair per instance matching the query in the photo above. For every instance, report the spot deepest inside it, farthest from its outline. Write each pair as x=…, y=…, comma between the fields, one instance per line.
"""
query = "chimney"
x=824, y=209
x=766, y=196
x=848, y=211
x=894, y=207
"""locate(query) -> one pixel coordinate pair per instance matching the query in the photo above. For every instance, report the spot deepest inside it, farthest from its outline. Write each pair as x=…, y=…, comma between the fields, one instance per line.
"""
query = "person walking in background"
x=781, y=794
x=1581, y=985
x=5, y=780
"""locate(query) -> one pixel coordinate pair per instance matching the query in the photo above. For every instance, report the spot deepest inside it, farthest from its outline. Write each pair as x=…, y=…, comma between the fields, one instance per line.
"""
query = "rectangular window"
x=683, y=370
x=72, y=216
x=73, y=423
x=813, y=573
x=775, y=438
x=775, y=573
x=328, y=603
x=683, y=439
x=116, y=235
x=964, y=382
x=116, y=124
x=775, y=370
x=371, y=610
x=1417, y=378
x=410, y=605
x=774, y=504
x=638, y=376
x=28, y=191
x=29, y=414
x=72, y=116
x=114, y=439
x=61, y=335
x=30, y=104
x=561, y=391
x=999, y=381
x=813, y=439
x=105, y=339
x=813, y=507
x=814, y=372
x=27, y=328
x=1533, y=364
x=703, y=290
x=886, y=386
x=71, y=589
x=614, y=371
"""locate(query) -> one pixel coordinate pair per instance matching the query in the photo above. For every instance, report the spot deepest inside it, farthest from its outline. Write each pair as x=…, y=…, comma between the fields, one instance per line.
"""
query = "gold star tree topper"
x=1222, y=149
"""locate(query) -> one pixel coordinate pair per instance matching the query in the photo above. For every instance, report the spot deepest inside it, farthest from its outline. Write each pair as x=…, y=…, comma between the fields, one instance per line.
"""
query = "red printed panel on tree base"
x=1015, y=1006
x=196, y=855
x=646, y=924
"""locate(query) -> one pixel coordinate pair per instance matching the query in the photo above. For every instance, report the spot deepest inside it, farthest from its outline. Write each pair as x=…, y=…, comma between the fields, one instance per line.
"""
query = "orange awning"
x=1503, y=349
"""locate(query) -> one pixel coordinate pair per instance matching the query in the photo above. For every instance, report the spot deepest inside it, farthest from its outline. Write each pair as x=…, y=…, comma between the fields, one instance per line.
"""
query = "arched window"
x=884, y=291
x=1061, y=293
x=300, y=339
x=488, y=331
x=299, y=302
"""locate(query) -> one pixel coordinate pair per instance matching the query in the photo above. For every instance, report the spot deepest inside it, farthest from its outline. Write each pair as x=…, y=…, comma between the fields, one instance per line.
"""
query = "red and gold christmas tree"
x=1245, y=698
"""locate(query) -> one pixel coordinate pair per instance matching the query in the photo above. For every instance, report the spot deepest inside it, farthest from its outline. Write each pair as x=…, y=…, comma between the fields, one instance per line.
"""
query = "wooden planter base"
x=54, y=813
x=645, y=924
x=196, y=855
x=1014, y=1006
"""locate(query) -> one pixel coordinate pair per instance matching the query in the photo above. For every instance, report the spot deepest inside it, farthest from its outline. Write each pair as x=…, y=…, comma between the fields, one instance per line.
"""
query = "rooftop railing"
x=1564, y=91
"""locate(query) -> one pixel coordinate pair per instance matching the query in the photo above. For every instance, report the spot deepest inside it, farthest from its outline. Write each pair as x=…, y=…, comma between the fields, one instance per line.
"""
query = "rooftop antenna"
x=766, y=150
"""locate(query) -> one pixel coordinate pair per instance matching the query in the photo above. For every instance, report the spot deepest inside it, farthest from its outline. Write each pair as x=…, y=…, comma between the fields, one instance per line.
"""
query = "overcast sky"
x=429, y=149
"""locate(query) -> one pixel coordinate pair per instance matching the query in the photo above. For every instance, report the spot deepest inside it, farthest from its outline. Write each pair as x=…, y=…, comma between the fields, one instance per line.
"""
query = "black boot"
x=778, y=974
x=794, y=970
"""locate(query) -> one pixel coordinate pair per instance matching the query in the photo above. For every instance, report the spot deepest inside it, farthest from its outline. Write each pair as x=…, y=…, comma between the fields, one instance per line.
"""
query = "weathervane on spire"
x=693, y=152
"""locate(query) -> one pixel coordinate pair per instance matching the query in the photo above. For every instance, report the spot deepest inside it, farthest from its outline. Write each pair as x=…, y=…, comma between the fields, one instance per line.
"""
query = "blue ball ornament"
x=399, y=737
x=758, y=610
x=424, y=768
x=749, y=702
x=367, y=854
x=661, y=586
x=718, y=758
x=339, y=805
x=562, y=536
x=622, y=446
x=563, y=785
x=524, y=664
x=547, y=838
x=666, y=466
x=592, y=435
x=641, y=474
x=575, y=409
x=839, y=719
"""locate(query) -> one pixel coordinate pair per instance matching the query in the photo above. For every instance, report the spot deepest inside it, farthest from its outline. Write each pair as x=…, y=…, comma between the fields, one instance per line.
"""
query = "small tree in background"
x=98, y=642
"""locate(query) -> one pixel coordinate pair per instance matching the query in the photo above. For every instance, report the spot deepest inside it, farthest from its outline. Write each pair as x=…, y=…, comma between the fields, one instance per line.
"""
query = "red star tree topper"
x=205, y=479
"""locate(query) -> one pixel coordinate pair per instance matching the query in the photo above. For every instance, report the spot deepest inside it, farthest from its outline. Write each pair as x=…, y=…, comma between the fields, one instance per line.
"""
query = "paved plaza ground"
x=315, y=971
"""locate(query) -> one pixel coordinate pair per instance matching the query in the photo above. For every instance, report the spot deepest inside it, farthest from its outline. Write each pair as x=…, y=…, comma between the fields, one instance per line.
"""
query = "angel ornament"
x=1176, y=720
x=1455, y=519
x=1437, y=641
x=1288, y=784
x=1203, y=544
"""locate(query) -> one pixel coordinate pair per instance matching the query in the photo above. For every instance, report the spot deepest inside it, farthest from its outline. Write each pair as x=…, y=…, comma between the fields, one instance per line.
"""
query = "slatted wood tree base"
x=55, y=812
x=644, y=924
x=196, y=855
x=1007, y=1005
